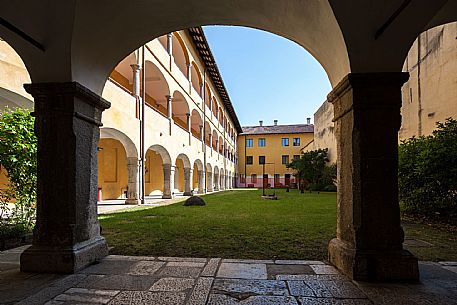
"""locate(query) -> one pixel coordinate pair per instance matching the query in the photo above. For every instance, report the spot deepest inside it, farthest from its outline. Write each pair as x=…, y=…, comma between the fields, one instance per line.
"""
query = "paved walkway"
x=215, y=281
x=118, y=205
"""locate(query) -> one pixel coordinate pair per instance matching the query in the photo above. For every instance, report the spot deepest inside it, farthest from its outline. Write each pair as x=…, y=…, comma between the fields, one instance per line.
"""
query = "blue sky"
x=267, y=77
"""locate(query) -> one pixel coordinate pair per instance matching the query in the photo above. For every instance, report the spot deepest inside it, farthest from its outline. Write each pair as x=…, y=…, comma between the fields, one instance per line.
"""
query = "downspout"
x=204, y=131
x=143, y=94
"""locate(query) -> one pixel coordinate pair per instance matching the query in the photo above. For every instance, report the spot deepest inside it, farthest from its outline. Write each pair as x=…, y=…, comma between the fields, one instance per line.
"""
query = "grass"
x=234, y=224
x=240, y=224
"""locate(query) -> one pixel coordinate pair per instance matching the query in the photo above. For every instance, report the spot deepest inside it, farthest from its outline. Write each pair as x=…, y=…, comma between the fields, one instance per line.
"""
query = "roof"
x=201, y=44
x=277, y=129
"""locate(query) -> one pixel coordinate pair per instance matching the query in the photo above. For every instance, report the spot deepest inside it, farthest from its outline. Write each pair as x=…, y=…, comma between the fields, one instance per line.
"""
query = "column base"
x=132, y=201
x=47, y=259
x=187, y=194
x=167, y=196
x=373, y=266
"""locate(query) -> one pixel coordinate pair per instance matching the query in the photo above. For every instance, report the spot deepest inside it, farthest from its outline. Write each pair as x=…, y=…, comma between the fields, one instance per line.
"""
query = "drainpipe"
x=143, y=95
x=204, y=133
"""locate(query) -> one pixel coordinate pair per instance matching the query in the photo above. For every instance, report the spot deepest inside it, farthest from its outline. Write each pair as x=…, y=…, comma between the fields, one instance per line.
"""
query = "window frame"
x=251, y=158
x=285, y=142
x=251, y=141
x=264, y=160
x=294, y=143
x=262, y=141
x=285, y=157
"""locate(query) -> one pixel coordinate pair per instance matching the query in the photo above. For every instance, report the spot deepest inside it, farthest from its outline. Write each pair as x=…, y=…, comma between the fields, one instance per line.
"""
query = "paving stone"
x=182, y=259
x=201, y=291
x=248, y=261
x=87, y=296
x=326, y=301
x=243, y=271
x=221, y=299
x=53, y=303
x=311, y=277
x=148, y=298
x=118, y=282
x=240, y=288
x=343, y=289
x=211, y=267
x=56, y=288
x=274, y=270
x=187, y=272
x=110, y=267
x=186, y=264
x=297, y=262
x=300, y=289
x=172, y=284
x=145, y=267
x=324, y=269
x=130, y=258
x=319, y=289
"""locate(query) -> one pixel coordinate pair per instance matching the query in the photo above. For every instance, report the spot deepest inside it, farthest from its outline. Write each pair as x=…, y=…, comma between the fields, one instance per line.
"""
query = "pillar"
x=168, y=183
x=170, y=110
x=202, y=137
x=201, y=182
x=133, y=188
x=217, y=148
x=66, y=237
x=210, y=181
x=189, y=127
x=170, y=44
x=187, y=181
x=369, y=242
x=222, y=182
x=216, y=181
x=211, y=143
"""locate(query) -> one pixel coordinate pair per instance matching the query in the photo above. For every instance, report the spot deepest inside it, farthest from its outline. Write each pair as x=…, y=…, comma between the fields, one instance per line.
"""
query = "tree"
x=18, y=155
x=312, y=167
x=427, y=171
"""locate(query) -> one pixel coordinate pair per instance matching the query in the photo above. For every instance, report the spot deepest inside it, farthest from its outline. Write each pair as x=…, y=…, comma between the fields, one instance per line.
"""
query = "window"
x=254, y=178
x=285, y=141
x=248, y=142
x=296, y=141
x=296, y=157
x=261, y=159
x=261, y=142
x=285, y=159
x=249, y=160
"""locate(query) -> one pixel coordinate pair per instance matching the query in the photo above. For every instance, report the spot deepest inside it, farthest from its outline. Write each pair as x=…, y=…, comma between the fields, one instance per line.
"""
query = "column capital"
x=135, y=67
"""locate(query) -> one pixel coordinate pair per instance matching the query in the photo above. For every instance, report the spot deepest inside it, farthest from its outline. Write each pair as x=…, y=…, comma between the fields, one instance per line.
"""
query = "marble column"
x=168, y=181
x=66, y=237
x=133, y=187
x=369, y=242
x=201, y=182
x=187, y=181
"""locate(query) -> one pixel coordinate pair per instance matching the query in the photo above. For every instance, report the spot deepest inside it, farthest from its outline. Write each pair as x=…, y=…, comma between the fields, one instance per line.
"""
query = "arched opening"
x=207, y=134
x=180, y=54
x=196, y=124
x=215, y=140
x=216, y=173
x=215, y=108
x=197, y=177
x=122, y=75
x=180, y=110
x=154, y=180
x=208, y=96
x=209, y=177
x=221, y=145
x=157, y=89
x=196, y=78
x=182, y=178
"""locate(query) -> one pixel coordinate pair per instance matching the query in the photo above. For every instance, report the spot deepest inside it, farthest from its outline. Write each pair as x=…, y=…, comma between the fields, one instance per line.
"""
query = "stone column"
x=222, y=182
x=66, y=237
x=210, y=182
x=187, y=181
x=170, y=44
x=168, y=176
x=369, y=243
x=189, y=73
x=217, y=148
x=136, y=79
x=216, y=181
x=201, y=182
x=170, y=110
x=211, y=143
x=133, y=188
x=189, y=127
x=202, y=137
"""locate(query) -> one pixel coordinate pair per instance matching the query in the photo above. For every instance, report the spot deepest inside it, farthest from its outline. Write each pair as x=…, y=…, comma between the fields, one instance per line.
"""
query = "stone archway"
x=198, y=177
x=183, y=175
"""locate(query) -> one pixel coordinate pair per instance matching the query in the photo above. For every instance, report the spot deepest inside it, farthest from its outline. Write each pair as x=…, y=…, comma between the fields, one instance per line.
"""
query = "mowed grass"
x=240, y=224
x=233, y=224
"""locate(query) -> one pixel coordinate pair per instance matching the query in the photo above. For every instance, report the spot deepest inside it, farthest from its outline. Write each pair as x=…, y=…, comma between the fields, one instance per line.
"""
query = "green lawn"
x=240, y=224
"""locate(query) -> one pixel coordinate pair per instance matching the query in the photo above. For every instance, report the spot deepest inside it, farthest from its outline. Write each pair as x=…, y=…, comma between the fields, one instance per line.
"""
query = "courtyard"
x=240, y=224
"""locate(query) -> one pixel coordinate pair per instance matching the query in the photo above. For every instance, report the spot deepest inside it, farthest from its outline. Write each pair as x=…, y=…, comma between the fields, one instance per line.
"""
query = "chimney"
x=276, y=122
x=308, y=121
x=260, y=123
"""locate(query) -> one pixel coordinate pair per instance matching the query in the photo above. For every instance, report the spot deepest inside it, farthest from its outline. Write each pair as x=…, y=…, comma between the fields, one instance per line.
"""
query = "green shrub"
x=428, y=172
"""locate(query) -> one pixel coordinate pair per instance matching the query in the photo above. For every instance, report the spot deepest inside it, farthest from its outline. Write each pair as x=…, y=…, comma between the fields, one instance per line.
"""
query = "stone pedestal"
x=168, y=176
x=201, y=182
x=133, y=186
x=369, y=243
x=187, y=181
x=66, y=236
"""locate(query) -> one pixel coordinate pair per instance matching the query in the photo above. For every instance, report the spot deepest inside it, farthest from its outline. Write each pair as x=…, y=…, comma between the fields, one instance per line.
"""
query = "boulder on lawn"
x=194, y=201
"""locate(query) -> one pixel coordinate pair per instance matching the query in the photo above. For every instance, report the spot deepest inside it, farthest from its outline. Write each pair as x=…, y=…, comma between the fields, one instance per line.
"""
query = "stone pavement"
x=215, y=281
x=118, y=205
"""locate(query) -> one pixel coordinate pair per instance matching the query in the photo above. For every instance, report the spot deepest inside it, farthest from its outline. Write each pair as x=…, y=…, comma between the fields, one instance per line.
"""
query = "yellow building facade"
x=265, y=151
